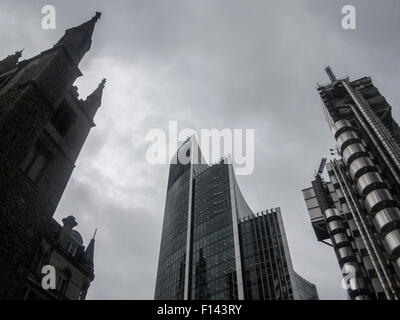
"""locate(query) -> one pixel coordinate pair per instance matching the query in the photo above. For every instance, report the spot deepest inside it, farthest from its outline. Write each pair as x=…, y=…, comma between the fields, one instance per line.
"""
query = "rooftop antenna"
x=330, y=74
x=321, y=169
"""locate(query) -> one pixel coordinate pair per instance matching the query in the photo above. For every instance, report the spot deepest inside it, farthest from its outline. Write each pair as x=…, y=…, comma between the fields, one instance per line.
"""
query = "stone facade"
x=43, y=126
x=62, y=248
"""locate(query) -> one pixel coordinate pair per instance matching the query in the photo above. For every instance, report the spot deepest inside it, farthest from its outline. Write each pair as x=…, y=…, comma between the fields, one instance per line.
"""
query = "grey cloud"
x=233, y=64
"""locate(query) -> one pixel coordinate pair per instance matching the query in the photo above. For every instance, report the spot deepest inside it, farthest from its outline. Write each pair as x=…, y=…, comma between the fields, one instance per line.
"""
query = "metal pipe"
x=371, y=238
x=384, y=157
x=356, y=113
x=340, y=242
x=374, y=122
x=365, y=236
x=378, y=123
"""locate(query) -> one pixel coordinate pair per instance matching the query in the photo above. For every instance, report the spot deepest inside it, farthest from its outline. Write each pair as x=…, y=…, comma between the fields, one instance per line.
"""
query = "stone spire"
x=93, y=101
x=77, y=40
x=88, y=255
x=10, y=61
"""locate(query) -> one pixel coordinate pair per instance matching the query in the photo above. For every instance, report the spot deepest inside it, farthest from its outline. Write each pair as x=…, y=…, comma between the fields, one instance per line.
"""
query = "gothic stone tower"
x=43, y=126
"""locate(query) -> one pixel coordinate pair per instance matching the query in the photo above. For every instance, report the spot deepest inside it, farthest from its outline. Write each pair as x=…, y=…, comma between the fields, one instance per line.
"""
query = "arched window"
x=37, y=167
x=72, y=248
x=63, y=281
x=35, y=161
x=63, y=119
x=28, y=159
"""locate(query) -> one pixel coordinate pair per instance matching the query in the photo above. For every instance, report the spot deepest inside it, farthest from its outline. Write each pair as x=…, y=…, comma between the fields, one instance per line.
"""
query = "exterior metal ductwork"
x=345, y=254
x=379, y=199
x=367, y=238
x=354, y=151
x=397, y=264
x=375, y=143
x=386, y=220
x=357, y=284
x=364, y=187
x=368, y=182
x=335, y=226
x=340, y=127
x=347, y=260
x=331, y=214
x=392, y=243
x=340, y=239
x=374, y=122
x=361, y=166
x=347, y=138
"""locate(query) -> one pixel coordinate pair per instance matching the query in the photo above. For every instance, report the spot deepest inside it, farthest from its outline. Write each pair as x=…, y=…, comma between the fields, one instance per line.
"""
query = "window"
x=62, y=284
x=315, y=213
x=312, y=203
x=35, y=161
x=63, y=281
x=309, y=193
x=72, y=247
x=63, y=118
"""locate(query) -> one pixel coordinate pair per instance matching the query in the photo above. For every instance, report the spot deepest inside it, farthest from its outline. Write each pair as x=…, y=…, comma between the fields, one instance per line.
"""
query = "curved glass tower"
x=172, y=259
x=211, y=245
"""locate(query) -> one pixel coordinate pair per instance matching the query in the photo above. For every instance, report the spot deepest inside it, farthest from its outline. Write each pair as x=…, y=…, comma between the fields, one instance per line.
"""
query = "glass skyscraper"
x=213, y=247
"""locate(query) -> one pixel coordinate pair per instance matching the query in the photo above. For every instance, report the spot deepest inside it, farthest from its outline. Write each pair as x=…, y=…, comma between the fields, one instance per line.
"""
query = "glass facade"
x=213, y=247
x=213, y=255
x=266, y=268
x=172, y=259
x=306, y=289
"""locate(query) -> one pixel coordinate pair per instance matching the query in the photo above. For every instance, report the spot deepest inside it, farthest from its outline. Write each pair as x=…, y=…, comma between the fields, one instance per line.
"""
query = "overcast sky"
x=207, y=64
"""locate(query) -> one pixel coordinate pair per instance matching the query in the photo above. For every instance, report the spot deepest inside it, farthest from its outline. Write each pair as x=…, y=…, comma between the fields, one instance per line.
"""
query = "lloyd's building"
x=213, y=247
x=357, y=211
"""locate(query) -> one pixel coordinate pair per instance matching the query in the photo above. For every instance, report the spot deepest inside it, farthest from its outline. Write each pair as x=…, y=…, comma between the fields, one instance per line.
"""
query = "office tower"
x=213, y=246
x=357, y=209
x=43, y=126
x=61, y=247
